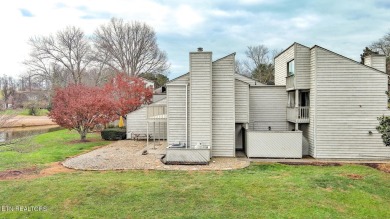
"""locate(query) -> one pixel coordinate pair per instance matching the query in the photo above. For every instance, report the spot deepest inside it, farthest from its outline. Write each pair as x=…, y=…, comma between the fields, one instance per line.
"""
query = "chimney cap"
x=200, y=49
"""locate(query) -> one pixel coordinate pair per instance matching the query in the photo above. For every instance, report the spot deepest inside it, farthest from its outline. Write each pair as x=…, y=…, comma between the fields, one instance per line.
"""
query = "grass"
x=45, y=148
x=259, y=191
x=40, y=112
x=24, y=112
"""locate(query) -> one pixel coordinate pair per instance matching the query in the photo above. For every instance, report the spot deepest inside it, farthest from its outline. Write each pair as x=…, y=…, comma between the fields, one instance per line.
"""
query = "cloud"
x=251, y=2
x=25, y=12
x=220, y=26
x=187, y=18
x=382, y=3
x=304, y=22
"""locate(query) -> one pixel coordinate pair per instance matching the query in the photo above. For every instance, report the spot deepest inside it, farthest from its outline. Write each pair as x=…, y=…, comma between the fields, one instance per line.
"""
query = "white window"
x=290, y=68
x=291, y=100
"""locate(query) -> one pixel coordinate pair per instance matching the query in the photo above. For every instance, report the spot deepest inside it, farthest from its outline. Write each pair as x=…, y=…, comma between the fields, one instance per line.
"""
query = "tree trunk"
x=83, y=135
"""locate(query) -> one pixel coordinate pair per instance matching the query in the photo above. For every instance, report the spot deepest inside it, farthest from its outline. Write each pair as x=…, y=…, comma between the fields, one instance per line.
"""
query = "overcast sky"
x=223, y=27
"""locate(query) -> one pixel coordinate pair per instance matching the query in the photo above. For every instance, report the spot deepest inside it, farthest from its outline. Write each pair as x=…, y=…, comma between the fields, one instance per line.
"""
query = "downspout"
x=186, y=85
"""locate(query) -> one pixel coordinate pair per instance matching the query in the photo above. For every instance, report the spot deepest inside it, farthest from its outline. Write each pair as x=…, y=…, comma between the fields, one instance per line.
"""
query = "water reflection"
x=7, y=134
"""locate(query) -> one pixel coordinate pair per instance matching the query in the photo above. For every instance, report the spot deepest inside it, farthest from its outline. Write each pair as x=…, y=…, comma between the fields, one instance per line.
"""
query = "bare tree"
x=67, y=51
x=239, y=68
x=97, y=76
x=44, y=69
x=99, y=70
x=383, y=47
x=257, y=55
x=7, y=89
x=131, y=47
x=25, y=82
x=259, y=64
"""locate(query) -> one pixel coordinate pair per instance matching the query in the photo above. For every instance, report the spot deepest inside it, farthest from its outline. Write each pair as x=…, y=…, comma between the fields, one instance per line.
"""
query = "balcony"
x=298, y=114
x=290, y=82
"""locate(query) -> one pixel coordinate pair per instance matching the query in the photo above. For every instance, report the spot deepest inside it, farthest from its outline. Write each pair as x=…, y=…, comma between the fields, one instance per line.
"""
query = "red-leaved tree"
x=80, y=108
x=128, y=93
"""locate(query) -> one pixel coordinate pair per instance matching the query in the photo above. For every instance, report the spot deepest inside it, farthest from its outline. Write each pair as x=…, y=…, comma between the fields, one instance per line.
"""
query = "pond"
x=7, y=134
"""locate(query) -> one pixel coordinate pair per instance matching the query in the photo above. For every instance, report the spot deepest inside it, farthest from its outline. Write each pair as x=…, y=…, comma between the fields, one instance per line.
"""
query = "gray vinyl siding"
x=223, y=126
x=241, y=101
x=302, y=67
x=247, y=80
x=158, y=97
x=201, y=98
x=281, y=65
x=312, y=112
x=267, y=107
x=349, y=98
x=136, y=122
x=184, y=79
x=367, y=61
x=178, y=94
x=305, y=139
x=176, y=114
x=378, y=62
x=305, y=129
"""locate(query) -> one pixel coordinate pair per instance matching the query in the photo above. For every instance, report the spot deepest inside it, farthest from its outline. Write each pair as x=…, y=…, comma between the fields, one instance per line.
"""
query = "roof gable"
x=344, y=57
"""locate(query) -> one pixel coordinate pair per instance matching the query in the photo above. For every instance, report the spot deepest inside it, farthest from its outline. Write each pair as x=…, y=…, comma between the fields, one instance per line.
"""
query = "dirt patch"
x=17, y=174
x=354, y=176
x=24, y=121
x=311, y=163
x=328, y=189
x=55, y=168
x=34, y=172
x=385, y=167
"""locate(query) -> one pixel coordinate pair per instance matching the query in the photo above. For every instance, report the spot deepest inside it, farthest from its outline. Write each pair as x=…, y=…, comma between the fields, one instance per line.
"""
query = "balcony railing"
x=290, y=82
x=298, y=114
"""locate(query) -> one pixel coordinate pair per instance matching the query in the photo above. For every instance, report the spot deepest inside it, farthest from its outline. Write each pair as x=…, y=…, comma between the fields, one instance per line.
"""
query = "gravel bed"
x=127, y=155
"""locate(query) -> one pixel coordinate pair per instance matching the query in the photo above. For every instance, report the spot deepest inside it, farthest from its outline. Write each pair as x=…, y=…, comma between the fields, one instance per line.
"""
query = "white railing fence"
x=303, y=112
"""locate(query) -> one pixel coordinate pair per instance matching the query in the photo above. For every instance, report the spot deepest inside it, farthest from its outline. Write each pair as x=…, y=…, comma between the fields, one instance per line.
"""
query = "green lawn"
x=24, y=112
x=40, y=112
x=45, y=148
x=259, y=191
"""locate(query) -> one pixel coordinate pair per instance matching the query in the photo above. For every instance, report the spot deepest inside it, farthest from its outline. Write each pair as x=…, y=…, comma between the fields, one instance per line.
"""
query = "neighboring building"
x=26, y=99
x=322, y=104
x=148, y=83
x=136, y=123
x=159, y=94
